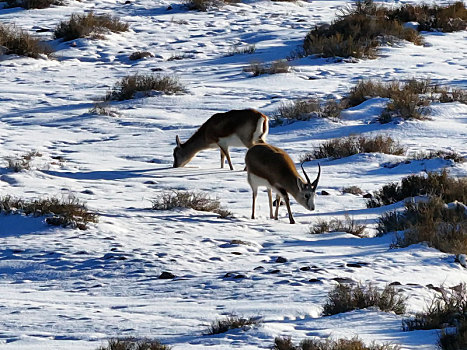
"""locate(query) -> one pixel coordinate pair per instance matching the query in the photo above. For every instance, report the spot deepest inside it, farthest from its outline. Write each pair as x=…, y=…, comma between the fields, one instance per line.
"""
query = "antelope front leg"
x=222, y=159
x=255, y=192
x=225, y=151
x=287, y=203
x=278, y=204
x=270, y=203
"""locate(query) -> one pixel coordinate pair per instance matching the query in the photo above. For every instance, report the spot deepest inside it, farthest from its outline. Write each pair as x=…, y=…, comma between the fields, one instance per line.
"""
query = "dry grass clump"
x=352, y=190
x=456, y=340
x=88, y=25
x=23, y=162
x=447, y=155
x=33, y=4
x=405, y=97
x=449, y=18
x=241, y=50
x=441, y=226
x=408, y=99
x=445, y=310
x=186, y=199
x=276, y=67
x=285, y=343
x=143, y=85
x=357, y=32
x=395, y=89
x=231, y=322
x=344, y=298
x=349, y=225
x=103, y=108
x=134, y=344
x=18, y=42
x=348, y=146
x=205, y=5
x=139, y=55
x=306, y=109
x=433, y=184
x=65, y=212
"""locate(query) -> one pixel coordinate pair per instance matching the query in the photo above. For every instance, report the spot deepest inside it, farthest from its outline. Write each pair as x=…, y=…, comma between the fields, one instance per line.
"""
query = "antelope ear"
x=300, y=184
x=177, y=140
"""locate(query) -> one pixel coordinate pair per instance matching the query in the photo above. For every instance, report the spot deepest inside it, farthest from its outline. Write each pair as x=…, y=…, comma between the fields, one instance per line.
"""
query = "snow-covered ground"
x=71, y=289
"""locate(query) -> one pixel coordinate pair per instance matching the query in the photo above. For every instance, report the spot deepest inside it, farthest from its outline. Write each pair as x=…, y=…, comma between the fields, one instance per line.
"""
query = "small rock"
x=239, y=276
x=314, y=280
x=166, y=275
x=462, y=259
x=367, y=195
x=325, y=193
x=343, y=280
x=305, y=268
x=354, y=265
x=275, y=271
x=395, y=283
x=258, y=268
x=281, y=260
x=169, y=8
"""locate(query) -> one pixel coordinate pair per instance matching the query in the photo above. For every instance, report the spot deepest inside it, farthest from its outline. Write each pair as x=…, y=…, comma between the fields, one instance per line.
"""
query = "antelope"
x=272, y=167
x=234, y=128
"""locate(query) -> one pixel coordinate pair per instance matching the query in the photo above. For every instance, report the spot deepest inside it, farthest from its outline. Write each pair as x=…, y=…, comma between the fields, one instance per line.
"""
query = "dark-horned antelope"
x=272, y=167
x=235, y=128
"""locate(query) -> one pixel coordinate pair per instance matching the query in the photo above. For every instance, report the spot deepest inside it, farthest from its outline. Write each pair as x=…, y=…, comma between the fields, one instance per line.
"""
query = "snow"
x=64, y=288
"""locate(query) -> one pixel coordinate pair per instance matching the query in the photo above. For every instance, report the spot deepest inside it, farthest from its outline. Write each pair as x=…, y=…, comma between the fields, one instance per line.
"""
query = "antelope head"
x=307, y=190
x=180, y=158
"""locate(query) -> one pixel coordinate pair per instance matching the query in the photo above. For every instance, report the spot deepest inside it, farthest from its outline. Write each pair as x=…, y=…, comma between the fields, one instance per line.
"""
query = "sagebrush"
x=187, y=199
x=276, y=67
x=88, y=25
x=33, y=4
x=306, y=109
x=441, y=226
x=346, y=297
x=348, y=146
x=66, y=212
x=133, y=85
x=357, y=31
x=231, y=322
x=134, y=344
x=446, y=309
x=448, y=188
x=285, y=343
x=348, y=225
x=17, y=41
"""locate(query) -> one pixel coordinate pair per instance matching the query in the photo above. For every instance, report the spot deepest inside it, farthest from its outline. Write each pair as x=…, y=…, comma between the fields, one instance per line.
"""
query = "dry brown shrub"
x=348, y=146
x=187, y=199
x=134, y=344
x=344, y=298
x=432, y=184
x=17, y=41
x=131, y=85
x=440, y=226
x=348, y=225
x=231, y=322
x=88, y=25
x=276, y=67
x=65, y=212
x=357, y=32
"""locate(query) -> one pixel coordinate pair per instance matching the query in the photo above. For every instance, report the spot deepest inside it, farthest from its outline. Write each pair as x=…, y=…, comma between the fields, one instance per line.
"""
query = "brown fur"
x=221, y=125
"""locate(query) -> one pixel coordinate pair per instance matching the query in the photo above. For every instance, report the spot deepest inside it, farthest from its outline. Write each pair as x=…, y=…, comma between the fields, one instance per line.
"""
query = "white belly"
x=231, y=141
x=256, y=181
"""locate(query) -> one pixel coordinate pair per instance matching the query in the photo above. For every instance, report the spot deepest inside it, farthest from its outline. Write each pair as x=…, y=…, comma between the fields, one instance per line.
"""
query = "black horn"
x=306, y=176
x=315, y=183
